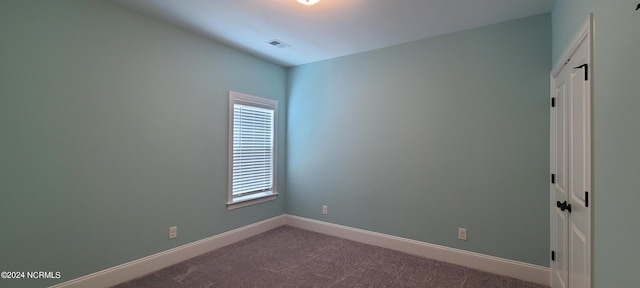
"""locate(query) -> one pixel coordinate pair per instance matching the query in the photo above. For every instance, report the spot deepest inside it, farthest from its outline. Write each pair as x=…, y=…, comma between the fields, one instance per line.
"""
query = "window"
x=252, y=150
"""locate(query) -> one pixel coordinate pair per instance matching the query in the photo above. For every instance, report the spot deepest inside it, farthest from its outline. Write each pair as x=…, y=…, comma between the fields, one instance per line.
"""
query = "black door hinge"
x=553, y=102
x=586, y=71
x=553, y=255
x=553, y=178
x=586, y=198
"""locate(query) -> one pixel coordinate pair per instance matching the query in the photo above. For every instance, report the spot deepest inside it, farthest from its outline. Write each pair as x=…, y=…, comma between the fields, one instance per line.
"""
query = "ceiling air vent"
x=278, y=43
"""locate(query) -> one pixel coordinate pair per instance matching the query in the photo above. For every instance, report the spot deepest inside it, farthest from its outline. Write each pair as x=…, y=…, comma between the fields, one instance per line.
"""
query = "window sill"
x=251, y=200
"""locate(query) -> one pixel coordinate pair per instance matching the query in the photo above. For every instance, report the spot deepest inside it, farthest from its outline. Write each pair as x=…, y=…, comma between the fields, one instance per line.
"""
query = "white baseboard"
x=131, y=270
x=515, y=269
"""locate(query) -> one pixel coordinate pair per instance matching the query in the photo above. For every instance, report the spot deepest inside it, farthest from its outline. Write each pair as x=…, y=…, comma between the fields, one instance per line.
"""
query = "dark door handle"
x=564, y=206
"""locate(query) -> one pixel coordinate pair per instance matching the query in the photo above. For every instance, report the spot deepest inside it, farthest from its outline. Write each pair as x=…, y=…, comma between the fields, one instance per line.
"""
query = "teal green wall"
x=114, y=127
x=419, y=139
x=616, y=99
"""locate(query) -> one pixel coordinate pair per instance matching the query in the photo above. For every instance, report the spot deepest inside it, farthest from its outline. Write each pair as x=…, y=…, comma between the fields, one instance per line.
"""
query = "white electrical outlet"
x=324, y=209
x=462, y=233
x=173, y=232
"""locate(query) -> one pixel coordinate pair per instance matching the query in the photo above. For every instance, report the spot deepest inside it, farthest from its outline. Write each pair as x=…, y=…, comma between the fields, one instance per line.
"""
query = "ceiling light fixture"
x=308, y=2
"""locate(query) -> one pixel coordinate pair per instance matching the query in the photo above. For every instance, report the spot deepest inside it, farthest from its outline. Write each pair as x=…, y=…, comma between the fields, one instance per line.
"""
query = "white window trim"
x=243, y=201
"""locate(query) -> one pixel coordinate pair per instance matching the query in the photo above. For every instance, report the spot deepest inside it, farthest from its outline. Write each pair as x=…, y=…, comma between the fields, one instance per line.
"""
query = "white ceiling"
x=331, y=28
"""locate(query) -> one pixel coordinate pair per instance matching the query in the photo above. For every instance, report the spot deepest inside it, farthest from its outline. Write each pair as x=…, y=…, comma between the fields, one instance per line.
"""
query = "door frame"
x=585, y=33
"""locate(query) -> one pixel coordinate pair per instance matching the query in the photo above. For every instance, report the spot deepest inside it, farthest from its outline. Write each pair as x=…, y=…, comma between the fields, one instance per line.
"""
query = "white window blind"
x=252, y=150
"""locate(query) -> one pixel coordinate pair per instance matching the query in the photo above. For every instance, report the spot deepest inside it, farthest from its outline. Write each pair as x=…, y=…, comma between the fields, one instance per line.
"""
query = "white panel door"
x=580, y=170
x=560, y=189
x=571, y=171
